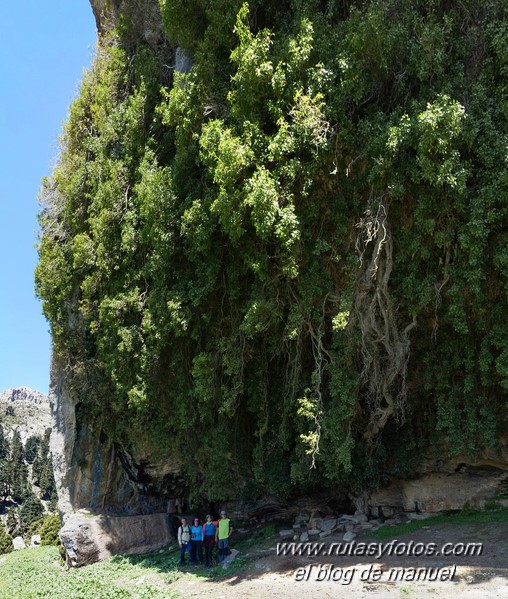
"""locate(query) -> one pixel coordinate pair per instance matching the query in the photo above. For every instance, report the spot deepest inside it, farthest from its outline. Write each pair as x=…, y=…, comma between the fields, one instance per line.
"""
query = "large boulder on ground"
x=90, y=538
x=18, y=543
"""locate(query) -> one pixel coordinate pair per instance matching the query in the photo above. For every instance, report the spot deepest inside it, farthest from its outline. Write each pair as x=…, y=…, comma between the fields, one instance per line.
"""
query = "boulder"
x=90, y=538
x=18, y=543
x=304, y=537
x=415, y=516
x=348, y=518
x=286, y=533
x=349, y=536
x=36, y=541
x=229, y=558
x=328, y=524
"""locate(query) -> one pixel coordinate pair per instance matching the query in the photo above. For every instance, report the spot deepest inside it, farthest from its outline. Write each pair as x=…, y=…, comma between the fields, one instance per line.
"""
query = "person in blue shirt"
x=197, y=536
x=209, y=529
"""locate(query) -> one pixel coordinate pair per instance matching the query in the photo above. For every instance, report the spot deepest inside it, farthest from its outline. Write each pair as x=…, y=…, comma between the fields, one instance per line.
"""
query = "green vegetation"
x=5, y=540
x=49, y=530
x=40, y=574
x=298, y=250
x=16, y=482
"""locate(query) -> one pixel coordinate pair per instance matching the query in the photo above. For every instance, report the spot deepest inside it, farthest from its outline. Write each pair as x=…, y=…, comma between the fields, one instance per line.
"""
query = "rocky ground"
x=482, y=576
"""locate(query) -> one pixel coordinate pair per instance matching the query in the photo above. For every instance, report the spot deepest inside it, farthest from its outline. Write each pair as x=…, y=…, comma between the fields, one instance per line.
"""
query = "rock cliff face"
x=143, y=17
x=91, y=472
x=444, y=483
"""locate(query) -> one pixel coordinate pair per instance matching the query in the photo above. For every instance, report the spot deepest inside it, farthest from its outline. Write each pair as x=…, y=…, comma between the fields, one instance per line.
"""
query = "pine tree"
x=12, y=522
x=37, y=468
x=4, y=445
x=32, y=448
x=20, y=487
x=47, y=481
x=53, y=502
x=17, y=453
x=31, y=510
x=5, y=485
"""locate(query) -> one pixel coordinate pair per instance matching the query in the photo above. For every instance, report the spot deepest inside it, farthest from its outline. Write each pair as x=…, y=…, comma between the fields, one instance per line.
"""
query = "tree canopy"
x=288, y=266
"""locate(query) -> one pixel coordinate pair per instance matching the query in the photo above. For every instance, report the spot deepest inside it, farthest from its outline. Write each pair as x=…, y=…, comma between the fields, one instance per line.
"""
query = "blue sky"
x=45, y=46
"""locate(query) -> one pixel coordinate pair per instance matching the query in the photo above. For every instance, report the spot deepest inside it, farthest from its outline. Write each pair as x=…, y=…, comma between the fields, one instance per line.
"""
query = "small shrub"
x=35, y=528
x=6, y=545
x=49, y=530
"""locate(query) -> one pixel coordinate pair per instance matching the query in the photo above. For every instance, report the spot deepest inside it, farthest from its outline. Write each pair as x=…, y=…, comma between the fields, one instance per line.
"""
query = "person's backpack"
x=187, y=533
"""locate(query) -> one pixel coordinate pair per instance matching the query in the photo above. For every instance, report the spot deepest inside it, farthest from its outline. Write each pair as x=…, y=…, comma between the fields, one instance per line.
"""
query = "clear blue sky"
x=45, y=47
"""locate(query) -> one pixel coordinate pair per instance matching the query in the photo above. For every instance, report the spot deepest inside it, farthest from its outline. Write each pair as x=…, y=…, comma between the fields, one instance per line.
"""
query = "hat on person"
x=223, y=513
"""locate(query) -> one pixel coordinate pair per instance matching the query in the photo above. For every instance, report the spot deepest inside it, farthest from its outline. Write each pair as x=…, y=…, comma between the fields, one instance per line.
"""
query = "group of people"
x=193, y=538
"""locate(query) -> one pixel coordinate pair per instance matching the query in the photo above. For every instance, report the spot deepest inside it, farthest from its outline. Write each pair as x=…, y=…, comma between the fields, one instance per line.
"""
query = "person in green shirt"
x=222, y=534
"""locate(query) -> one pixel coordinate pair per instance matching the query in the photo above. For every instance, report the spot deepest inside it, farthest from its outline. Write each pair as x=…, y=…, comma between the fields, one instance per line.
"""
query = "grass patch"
x=491, y=514
x=40, y=573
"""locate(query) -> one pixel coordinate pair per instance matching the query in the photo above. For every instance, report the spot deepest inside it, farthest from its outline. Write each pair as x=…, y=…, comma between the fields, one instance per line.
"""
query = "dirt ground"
x=482, y=576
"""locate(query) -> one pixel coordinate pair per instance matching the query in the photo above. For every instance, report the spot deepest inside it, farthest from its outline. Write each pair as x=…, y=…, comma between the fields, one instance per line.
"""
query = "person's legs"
x=223, y=549
x=209, y=542
x=207, y=552
x=199, y=547
x=182, y=554
x=193, y=552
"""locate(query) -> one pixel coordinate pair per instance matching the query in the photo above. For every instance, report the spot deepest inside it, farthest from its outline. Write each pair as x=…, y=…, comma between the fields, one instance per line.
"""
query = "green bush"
x=49, y=530
x=6, y=545
x=34, y=528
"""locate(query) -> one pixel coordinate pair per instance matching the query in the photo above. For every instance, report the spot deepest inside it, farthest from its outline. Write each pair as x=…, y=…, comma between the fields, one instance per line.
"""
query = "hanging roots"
x=385, y=348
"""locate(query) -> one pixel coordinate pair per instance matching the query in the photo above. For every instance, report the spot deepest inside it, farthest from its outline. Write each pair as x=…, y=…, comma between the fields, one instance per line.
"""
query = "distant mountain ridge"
x=25, y=409
x=23, y=394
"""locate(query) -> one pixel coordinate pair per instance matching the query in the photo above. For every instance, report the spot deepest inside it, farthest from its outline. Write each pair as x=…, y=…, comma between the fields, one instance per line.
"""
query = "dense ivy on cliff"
x=288, y=267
